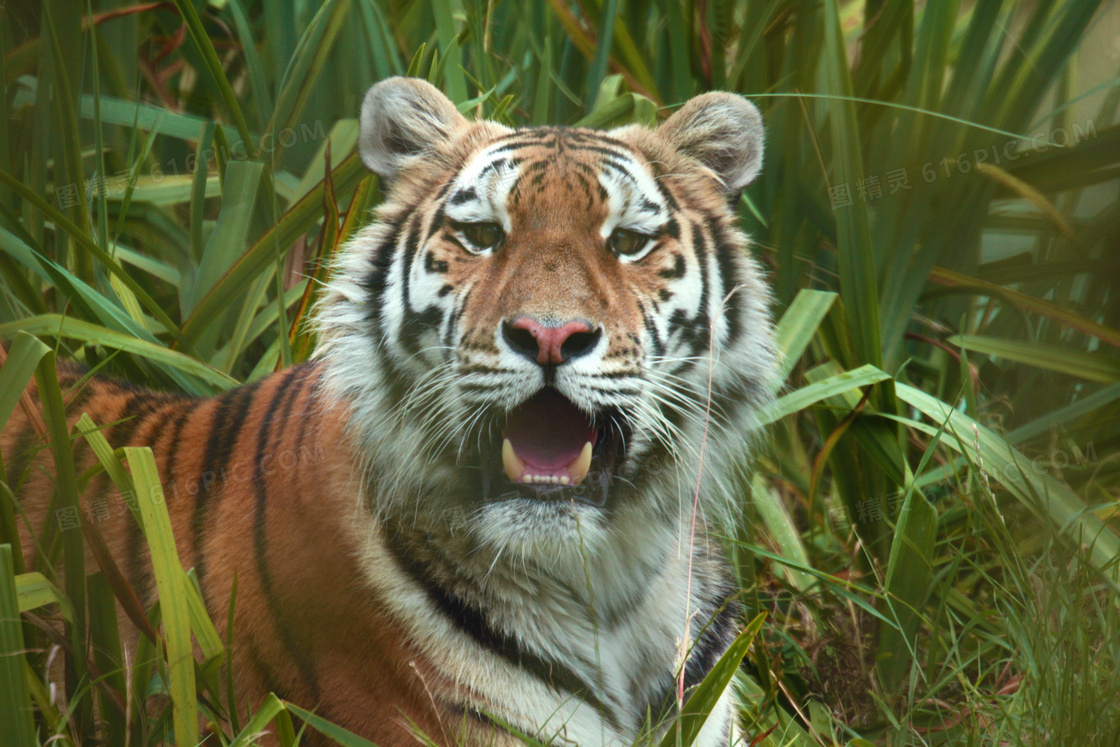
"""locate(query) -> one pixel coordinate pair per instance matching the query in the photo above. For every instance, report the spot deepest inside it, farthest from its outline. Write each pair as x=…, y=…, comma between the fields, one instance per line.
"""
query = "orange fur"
x=363, y=674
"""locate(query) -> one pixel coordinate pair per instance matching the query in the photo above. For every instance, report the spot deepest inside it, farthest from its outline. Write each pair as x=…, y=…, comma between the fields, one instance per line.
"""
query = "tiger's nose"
x=550, y=344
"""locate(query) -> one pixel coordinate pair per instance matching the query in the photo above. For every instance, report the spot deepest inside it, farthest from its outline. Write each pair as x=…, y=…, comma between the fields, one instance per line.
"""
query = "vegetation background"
x=932, y=528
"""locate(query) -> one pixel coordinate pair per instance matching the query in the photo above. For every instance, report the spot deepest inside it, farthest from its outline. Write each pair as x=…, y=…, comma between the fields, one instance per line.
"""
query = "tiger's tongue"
x=547, y=437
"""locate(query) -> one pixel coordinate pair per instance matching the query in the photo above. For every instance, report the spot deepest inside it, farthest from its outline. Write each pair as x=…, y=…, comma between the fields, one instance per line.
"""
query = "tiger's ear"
x=722, y=131
x=403, y=118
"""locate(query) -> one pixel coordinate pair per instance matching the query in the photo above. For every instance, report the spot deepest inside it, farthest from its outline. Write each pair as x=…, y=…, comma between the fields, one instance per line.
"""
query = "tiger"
x=492, y=503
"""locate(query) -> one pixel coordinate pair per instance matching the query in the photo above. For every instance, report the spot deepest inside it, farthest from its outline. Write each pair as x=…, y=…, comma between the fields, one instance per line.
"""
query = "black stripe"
x=676, y=271
x=411, y=243
x=700, y=245
x=715, y=639
x=137, y=409
x=622, y=169
x=260, y=530
x=651, y=329
x=453, y=321
x=694, y=332
x=80, y=396
x=265, y=673
x=413, y=323
x=463, y=195
x=435, y=223
x=726, y=261
x=381, y=262
x=229, y=417
x=658, y=175
x=376, y=284
x=473, y=622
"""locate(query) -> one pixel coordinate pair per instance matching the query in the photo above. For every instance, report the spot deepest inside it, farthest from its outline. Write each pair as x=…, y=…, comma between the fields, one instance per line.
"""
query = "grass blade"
x=795, y=330
x=327, y=729
x=171, y=584
x=832, y=386
x=214, y=65
x=1098, y=367
x=15, y=701
x=299, y=218
x=54, y=324
x=857, y=264
x=708, y=692
x=35, y=590
x=1041, y=493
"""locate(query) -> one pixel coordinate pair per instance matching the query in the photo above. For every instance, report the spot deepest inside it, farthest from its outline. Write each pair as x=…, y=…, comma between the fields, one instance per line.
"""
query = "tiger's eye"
x=483, y=235
x=625, y=242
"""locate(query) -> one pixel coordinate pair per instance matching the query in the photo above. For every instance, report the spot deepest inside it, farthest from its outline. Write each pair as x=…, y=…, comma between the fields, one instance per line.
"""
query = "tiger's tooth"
x=515, y=468
x=578, y=469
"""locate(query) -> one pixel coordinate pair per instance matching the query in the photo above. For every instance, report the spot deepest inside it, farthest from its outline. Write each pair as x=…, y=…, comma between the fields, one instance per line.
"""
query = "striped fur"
x=379, y=578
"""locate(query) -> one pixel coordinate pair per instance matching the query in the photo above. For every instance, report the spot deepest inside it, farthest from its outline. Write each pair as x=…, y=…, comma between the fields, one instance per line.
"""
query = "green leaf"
x=35, y=590
x=15, y=701
x=598, y=69
x=780, y=524
x=54, y=324
x=1050, y=310
x=700, y=704
x=18, y=369
x=258, y=83
x=214, y=65
x=1061, y=358
x=795, y=330
x=909, y=575
x=209, y=642
x=276, y=241
x=73, y=550
x=231, y=235
x=307, y=64
x=830, y=387
x=1040, y=492
x=270, y=708
x=106, y=261
x=106, y=643
x=171, y=584
x=327, y=729
x=857, y=263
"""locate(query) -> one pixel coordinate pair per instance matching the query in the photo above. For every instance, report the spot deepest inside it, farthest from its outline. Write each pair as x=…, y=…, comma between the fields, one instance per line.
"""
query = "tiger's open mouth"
x=550, y=450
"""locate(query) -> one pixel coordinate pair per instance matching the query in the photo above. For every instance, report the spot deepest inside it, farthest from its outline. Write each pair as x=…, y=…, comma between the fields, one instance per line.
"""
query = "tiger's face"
x=549, y=329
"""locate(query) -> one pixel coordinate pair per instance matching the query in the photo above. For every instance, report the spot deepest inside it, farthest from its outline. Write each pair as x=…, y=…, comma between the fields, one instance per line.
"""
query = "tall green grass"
x=932, y=527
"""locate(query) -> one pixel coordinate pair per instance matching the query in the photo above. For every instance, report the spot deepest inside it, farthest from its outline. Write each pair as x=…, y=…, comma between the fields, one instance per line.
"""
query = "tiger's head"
x=549, y=331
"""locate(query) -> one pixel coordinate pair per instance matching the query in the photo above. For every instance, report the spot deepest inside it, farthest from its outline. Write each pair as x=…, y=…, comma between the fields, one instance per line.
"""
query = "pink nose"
x=553, y=344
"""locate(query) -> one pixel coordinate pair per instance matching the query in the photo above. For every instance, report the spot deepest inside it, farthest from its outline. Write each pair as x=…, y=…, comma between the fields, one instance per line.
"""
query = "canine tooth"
x=564, y=479
x=515, y=468
x=578, y=469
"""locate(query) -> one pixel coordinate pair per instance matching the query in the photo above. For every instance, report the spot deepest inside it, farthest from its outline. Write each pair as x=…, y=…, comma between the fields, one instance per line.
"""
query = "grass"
x=932, y=526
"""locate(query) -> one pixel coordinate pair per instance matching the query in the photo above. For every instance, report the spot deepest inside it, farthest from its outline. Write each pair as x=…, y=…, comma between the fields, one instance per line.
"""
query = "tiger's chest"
x=596, y=665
